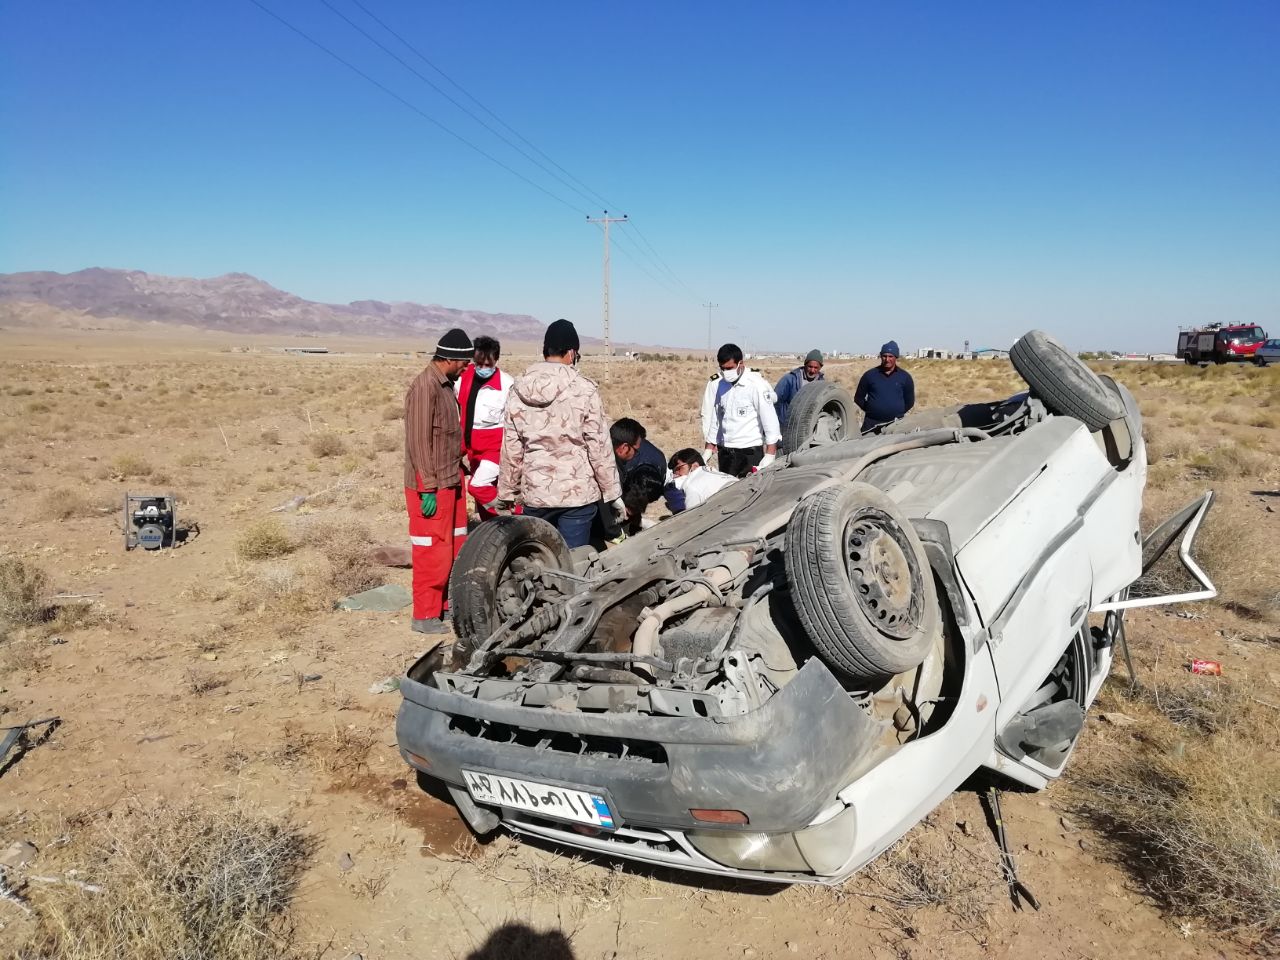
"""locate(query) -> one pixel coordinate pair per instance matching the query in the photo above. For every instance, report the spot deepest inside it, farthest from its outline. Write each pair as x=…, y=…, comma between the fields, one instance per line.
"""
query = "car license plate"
x=561, y=803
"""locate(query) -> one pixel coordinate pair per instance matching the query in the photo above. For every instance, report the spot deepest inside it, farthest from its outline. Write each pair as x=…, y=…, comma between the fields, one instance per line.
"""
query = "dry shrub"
x=1230, y=461
x=24, y=590
x=178, y=881
x=65, y=503
x=393, y=412
x=327, y=445
x=928, y=868
x=271, y=437
x=130, y=466
x=1191, y=805
x=344, y=542
x=264, y=540
x=385, y=442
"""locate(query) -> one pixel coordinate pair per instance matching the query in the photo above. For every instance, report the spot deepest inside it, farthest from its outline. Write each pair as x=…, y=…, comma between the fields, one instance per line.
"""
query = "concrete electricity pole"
x=710, y=307
x=608, y=342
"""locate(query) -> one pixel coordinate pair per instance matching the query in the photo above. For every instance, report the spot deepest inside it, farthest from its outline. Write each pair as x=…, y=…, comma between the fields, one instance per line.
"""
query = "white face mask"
x=732, y=375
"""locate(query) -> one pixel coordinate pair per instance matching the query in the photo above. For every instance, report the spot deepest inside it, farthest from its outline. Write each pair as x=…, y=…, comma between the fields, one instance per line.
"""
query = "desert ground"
x=224, y=783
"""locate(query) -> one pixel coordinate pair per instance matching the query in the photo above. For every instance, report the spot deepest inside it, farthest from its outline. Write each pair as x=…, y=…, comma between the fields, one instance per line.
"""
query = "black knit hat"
x=560, y=338
x=454, y=345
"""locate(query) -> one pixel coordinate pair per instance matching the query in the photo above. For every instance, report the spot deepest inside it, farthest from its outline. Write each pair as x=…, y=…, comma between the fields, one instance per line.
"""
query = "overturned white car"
x=781, y=682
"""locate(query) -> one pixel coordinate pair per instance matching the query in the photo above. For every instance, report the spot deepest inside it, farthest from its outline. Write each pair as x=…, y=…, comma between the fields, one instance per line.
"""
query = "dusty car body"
x=779, y=683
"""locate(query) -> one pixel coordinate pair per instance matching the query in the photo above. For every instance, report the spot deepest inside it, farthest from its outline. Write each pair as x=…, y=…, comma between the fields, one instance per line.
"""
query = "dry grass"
x=326, y=445
x=64, y=503
x=130, y=466
x=24, y=594
x=264, y=540
x=385, y=442
x=178, y=881
x=1191, y=803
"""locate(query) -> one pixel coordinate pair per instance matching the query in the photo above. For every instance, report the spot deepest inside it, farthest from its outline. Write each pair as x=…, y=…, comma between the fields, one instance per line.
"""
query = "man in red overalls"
x=482, y=397
x=433, y=478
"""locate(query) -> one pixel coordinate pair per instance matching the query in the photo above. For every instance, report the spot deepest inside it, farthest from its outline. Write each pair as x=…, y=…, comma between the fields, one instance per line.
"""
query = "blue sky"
x=831, y=174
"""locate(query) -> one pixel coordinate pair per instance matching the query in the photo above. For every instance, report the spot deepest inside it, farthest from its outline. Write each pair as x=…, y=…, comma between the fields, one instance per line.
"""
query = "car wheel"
x=1063, y=381
x=486, y=586
x=861, y=582
x=821, y=413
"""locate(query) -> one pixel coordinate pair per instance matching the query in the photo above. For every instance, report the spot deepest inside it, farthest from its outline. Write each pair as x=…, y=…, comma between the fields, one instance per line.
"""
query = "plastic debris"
x=387, y=598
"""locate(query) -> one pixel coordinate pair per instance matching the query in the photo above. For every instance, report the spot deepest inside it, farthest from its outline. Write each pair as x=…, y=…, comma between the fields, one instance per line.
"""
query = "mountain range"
x=235, y=303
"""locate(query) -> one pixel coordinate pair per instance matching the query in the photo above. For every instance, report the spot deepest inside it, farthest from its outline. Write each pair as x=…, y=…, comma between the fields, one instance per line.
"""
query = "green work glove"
x=429, y=503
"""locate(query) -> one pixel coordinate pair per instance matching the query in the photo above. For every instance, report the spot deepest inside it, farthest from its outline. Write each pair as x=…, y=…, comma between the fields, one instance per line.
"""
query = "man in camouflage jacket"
x=557, y=459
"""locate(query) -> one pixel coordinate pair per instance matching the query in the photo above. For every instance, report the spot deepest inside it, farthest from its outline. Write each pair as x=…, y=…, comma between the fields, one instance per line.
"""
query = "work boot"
x=429, y=625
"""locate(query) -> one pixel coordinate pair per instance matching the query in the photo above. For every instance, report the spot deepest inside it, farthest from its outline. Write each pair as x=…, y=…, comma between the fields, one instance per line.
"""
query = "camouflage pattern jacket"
x=555, y=444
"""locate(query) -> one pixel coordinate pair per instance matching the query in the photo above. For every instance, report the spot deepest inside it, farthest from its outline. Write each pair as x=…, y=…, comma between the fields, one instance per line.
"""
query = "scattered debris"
x=346, y=862
x=392, y=555
x=312, y=677
x=7, y=893
x=18, y=737
x=1208, y=668
x=389, y=685
x=19, y=854
x=57, y=641
x=210, y=656
x=1018, y=891
x=1067, y=825
x=1117, y=719
x=387, y=598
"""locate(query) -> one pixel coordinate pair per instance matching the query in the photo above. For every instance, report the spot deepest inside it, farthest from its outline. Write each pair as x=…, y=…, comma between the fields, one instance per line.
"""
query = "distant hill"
x=240, y=303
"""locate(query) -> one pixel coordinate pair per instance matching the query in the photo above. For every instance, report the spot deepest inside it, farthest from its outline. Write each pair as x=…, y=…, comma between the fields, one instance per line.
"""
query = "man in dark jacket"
x=886, y=392
x=632, y=448
x=790, y=384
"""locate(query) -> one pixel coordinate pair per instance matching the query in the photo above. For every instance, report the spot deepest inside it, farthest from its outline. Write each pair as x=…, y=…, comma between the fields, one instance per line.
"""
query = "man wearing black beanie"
x=557, y=459
x=433, y=478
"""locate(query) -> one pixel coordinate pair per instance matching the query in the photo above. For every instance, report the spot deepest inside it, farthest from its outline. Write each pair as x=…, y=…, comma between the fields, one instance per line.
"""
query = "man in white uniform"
x=739, y=422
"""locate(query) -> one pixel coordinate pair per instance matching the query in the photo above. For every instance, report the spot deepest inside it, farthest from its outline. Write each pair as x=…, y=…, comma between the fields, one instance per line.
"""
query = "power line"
x=586, y=192
x=436, y=87
x=466, y=93
x=416, y=109
x=644, y=269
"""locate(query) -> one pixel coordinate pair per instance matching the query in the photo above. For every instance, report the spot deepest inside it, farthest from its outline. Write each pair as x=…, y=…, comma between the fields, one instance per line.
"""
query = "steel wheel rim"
x=885, y=574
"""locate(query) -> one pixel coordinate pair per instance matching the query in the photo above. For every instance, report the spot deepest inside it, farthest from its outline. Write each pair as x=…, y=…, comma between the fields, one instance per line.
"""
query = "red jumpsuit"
x=482, y=432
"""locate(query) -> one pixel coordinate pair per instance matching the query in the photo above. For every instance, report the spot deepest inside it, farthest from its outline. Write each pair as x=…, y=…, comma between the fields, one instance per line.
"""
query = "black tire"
x=861, y=583
x=1063, y=382
x=481, y=587
x=821, y=413
x=1187, y=358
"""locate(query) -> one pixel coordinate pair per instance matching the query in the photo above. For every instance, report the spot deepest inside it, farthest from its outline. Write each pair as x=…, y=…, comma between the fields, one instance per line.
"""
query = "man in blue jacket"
x=885, y=393
x=791, y=383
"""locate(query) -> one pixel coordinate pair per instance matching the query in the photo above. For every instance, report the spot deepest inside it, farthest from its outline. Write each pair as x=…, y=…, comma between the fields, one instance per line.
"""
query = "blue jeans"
x=574, y=523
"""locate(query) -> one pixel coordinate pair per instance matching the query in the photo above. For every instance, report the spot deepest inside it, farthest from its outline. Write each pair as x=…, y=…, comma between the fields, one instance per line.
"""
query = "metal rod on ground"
x=1018, y=890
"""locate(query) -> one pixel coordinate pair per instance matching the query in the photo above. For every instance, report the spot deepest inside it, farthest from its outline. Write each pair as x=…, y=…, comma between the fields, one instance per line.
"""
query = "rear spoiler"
x=1186, y=522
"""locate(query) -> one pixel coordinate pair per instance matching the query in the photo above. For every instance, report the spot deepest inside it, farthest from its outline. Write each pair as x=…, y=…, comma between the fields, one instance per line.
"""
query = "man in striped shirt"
x=433, y=479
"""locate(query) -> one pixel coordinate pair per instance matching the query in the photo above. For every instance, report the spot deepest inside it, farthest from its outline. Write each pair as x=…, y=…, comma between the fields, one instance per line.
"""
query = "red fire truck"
x=1220, y=343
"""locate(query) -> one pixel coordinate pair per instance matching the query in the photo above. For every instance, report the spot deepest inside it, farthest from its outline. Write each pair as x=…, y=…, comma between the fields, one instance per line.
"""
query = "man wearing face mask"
x=792, y=382
x=739, y=422
x=433, y=478
x=482, y=397
x=557, y=459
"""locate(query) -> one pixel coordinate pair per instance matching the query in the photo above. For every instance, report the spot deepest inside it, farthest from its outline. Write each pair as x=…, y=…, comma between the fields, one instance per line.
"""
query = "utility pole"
x=608, y=342
x=710, y=307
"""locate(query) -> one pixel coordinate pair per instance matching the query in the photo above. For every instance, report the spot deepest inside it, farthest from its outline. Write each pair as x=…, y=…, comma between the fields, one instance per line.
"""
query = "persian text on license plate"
x=561, y=803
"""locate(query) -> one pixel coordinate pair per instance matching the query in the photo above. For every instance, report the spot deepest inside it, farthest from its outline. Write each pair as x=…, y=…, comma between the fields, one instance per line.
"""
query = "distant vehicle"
x=1219, y=343
x=1268, y=352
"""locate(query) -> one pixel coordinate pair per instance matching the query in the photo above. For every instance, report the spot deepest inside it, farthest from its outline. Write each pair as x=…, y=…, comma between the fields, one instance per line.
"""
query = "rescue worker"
x=556, y=456
x=433, y=480
x=693, y=479
x=632, y=448
x=739, y=422
x=482, y=398
x=885, y=393
x=790, y=384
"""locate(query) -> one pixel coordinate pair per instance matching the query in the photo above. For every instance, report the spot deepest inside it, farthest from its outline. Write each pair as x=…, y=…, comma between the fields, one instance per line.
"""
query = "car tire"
x=821, y=413
x=861, y=583
x=1063, y=381
x=481, y=586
